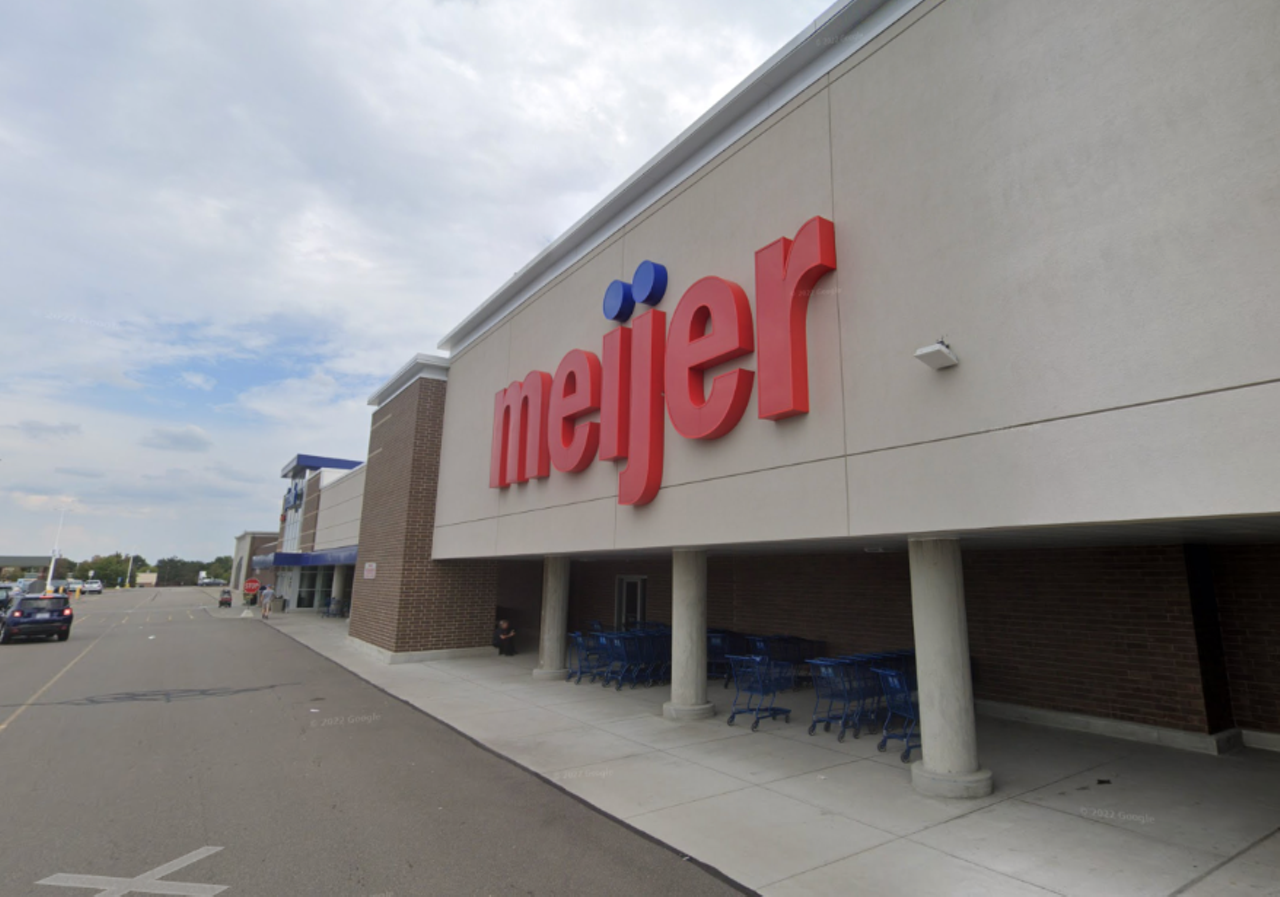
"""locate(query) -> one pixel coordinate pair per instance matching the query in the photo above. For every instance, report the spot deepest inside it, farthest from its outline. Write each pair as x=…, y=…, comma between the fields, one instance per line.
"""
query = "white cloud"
x=287, y=202
x=195, y=380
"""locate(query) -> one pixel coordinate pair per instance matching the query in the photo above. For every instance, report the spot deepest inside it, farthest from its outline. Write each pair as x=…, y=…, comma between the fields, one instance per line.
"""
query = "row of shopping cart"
x=851, y=691
x=723, y=644
x=638, y=657
x=856, y=690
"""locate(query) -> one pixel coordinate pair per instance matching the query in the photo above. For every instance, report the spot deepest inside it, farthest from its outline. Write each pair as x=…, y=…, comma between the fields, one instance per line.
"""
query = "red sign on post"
x=252, y=585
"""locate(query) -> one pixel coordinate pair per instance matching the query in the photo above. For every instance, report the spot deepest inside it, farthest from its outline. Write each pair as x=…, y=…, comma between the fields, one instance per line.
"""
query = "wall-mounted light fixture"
x=938, y=355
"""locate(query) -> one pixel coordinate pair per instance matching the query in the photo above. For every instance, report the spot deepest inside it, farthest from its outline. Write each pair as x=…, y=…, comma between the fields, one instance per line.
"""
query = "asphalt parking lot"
x=167, y=748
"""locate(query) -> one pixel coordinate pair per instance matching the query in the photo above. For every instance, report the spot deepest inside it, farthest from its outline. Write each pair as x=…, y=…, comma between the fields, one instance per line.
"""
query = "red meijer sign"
x=536, y=422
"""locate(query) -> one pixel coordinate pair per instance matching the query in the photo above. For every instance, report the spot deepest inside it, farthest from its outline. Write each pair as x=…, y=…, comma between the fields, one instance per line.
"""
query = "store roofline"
x=835, y=35
x=302, y=463
x=421, y=366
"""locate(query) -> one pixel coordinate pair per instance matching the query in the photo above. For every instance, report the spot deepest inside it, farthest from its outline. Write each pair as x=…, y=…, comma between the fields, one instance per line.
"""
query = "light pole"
x=53, y=559
x=130, y=571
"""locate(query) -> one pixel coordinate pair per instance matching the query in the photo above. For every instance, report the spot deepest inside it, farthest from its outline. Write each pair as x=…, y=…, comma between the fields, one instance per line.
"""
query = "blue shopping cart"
x=586, y=657
x=756, y=679
x=720, y=644
x=657, y=654
x=616, y=663
x=898, y=703
x=833, y=686
x=866, y=695
x=786, y=649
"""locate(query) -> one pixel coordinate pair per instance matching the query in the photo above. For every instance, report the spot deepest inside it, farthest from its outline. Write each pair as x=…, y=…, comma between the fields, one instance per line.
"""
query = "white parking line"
x=146, y=883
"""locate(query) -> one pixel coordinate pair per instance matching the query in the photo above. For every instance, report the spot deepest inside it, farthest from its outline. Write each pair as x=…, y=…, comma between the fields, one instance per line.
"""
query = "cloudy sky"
x=224, y=224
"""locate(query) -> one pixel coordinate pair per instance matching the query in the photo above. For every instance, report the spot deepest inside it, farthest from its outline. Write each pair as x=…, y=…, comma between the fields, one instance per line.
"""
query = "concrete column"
x=555, y=619
x=339, y=587
x=950, y=765
x=688, y=637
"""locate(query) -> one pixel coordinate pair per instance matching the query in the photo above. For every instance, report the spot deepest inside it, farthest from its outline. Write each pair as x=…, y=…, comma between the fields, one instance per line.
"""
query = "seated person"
x=504, y=639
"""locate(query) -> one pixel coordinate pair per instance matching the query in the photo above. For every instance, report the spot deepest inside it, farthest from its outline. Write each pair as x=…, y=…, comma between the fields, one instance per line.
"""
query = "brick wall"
x=592, y=586
x=414, y=603
x=1102, y=631
x=1247, y=585
x=310, y=514
x=520, y=601
x=852, y=601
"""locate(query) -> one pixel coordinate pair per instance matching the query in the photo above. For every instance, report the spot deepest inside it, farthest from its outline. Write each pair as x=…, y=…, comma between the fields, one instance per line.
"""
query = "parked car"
x=224, y=598
x=212, y=582
x=93, y=586
x=43, y=616
x=73, y=584
x=7, y=592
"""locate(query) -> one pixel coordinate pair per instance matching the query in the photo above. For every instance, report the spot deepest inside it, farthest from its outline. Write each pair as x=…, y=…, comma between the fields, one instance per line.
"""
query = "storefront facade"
x=952, y=328
x=311, y=561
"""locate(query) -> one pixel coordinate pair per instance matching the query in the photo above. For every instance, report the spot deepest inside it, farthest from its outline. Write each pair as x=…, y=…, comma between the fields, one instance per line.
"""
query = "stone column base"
x=550, y=674
x=675, y=711
x=939, y=784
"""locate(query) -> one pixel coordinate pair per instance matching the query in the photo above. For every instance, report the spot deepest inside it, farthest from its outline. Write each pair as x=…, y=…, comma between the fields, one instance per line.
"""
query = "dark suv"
x=37, y=617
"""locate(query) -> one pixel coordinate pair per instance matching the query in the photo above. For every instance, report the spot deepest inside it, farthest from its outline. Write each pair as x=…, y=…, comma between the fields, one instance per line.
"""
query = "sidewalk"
x=789, y=814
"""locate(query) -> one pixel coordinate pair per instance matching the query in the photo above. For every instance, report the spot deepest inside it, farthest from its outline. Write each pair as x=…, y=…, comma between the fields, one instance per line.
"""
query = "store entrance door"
x=629, y=602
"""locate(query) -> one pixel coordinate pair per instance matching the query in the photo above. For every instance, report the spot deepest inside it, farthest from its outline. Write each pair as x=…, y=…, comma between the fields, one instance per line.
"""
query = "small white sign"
x=371, y=570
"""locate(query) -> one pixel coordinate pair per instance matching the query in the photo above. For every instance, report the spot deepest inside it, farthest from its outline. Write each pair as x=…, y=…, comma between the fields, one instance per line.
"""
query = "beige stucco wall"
x=338, y=520
x=1083, y=197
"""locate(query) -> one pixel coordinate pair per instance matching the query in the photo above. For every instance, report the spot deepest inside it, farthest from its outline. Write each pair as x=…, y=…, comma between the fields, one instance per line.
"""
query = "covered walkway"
x=788, y=814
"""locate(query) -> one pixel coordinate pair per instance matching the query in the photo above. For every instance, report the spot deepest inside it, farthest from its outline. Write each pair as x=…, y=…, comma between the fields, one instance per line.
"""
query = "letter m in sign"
x=519, y=450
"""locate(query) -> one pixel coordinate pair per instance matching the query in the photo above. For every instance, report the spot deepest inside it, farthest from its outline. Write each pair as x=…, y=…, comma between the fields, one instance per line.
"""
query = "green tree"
x=178, y=572
x=220, y=568
x=110, y=569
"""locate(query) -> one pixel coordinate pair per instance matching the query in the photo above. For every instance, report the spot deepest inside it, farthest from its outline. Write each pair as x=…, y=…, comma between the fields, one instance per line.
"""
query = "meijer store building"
x=953, y=327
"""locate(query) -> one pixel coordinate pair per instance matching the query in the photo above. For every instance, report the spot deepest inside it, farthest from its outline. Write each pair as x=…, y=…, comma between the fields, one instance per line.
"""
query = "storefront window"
x=307, y=588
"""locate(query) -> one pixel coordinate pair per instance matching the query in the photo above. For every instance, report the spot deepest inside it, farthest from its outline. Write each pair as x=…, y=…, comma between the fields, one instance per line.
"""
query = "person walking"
x=267, y=594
